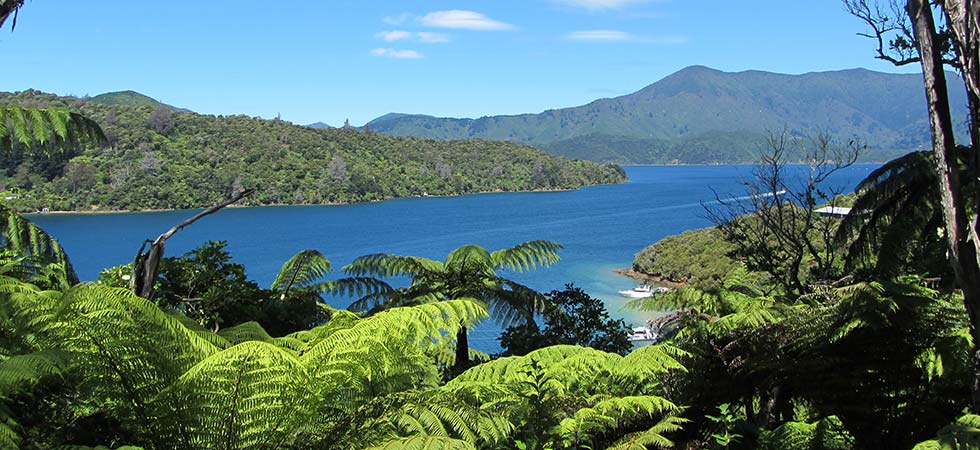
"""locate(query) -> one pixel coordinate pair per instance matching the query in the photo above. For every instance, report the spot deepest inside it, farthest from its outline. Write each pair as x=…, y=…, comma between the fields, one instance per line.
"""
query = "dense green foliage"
x=813, y=354
x=469, y=271
x=94, y=365
x=703, y=116
x=165, y=158
x=711, y=147
x=883, y=363
x=898, y=217
x=208, y=287
x=816, y=354
x=699, y=257
x=129, y=98
x=571, y=317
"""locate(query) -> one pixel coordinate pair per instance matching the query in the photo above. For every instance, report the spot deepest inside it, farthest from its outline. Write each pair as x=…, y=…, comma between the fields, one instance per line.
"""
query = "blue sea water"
x=600, y=227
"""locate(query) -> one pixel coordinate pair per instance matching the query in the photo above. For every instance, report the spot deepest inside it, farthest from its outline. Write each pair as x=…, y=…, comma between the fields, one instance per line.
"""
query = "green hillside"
x=161, y=158
x=702, y=115
x=129, y=98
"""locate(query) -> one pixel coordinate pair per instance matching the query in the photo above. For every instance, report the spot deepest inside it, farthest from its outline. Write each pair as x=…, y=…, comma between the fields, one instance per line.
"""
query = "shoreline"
x=649, y=279
x=152, y=210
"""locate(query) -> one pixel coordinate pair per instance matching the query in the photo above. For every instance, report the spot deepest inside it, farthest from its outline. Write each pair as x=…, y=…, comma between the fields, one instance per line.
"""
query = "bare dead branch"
x=146, y=265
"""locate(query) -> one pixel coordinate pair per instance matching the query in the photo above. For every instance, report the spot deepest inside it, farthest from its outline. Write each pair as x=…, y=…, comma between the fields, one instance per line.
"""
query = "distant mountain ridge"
x=703, y=115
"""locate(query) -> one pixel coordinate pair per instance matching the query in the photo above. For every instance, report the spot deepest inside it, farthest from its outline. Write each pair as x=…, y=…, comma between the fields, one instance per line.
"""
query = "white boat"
x=641, y=335
x=643, y=291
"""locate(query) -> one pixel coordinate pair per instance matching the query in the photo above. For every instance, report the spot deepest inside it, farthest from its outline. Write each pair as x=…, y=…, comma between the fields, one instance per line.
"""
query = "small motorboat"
x=642, y=335
x=643, y=291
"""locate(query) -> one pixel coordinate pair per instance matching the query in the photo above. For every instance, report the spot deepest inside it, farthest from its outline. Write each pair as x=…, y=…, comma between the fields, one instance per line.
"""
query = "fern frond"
x=384, y=265
x=827, y=433
x=386, y=352
x=644, y=367
x=24, y=238
x=52, y=130
x=610, y=414
x=19, y=370
x=750, y=314
x=252, y=395
x=526, y=256
x=653, y=437
x=301, y=271
x=425, y=443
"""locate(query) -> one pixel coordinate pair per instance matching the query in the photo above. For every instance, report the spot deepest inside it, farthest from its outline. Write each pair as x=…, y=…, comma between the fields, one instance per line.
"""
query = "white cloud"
x=599, y=36
x=398, y=54
x=393, y=35
x=397, y=20
x=600, y=5
x=466, y=20
x=421, y=36
x=432, y=38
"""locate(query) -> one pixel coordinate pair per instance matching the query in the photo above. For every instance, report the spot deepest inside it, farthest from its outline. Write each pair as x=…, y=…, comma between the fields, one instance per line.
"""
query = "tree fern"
x=301, y=271
x=894, y=221
x=252, y=331
x=467, y=272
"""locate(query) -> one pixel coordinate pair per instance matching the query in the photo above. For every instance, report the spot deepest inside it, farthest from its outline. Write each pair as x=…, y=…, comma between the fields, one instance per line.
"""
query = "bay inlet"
x=600, y=227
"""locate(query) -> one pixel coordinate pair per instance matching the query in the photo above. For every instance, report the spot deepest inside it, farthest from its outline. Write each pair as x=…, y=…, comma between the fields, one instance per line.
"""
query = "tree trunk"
x=962, y=249
x=768, y=404
x=462, y=352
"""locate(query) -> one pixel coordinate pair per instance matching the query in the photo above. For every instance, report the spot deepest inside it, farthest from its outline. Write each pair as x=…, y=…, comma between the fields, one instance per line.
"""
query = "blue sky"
x=330, y=60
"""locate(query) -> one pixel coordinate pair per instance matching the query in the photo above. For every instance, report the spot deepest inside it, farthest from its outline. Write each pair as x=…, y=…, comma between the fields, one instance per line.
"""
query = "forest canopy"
x=163, y=158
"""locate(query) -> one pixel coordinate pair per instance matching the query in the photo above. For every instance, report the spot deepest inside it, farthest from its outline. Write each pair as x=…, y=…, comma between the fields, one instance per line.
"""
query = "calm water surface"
x=600, y=227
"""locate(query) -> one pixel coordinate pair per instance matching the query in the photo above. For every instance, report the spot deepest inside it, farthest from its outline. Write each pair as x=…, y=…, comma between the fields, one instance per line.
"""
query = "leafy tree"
x=208, y=287
x=467, y=272
x=571, y=317
x=914, y=35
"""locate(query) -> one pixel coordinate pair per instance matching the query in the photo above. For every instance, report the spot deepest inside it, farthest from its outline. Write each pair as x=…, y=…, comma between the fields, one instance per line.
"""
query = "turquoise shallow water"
x=601, y=227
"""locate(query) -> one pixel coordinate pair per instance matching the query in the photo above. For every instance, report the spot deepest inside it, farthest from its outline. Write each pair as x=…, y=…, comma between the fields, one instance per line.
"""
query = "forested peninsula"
x=161, y=157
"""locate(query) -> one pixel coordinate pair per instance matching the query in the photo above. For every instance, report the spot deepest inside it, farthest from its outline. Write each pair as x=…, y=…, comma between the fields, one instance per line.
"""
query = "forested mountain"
x=130, y=98
x=702, y=115
x=161, y=157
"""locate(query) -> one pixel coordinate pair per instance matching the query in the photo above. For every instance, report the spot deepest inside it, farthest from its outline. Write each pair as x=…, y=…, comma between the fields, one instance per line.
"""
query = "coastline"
x=648, y=279
x=151, y=210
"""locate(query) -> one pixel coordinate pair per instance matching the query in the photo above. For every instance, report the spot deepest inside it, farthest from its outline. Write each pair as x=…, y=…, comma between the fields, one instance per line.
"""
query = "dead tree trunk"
x=960, y=235
x=146, y=265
